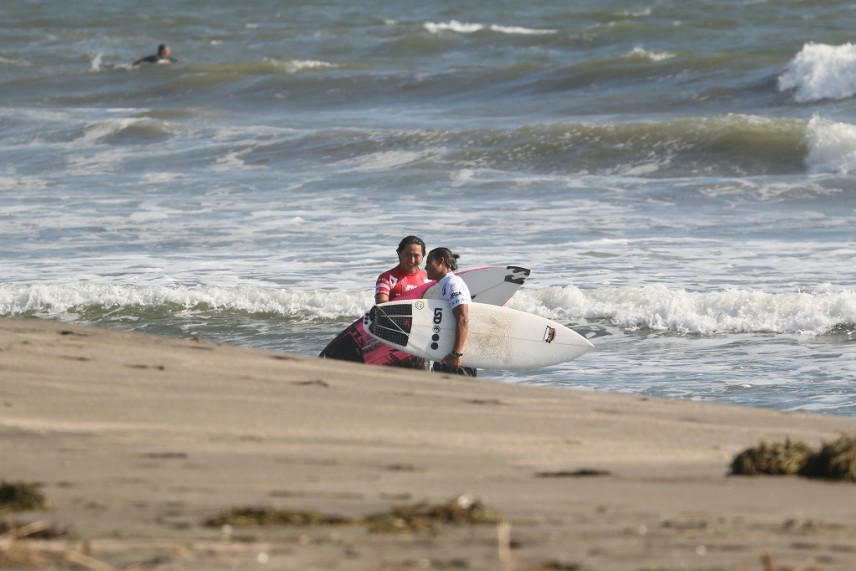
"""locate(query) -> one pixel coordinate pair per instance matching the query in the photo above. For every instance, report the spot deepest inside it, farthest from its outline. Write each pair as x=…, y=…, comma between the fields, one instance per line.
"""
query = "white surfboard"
x=493, y=285
x=499, y=337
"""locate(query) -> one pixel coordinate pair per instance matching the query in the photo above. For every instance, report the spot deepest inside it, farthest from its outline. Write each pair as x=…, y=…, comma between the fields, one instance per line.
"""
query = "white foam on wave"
x=654, y=307
x=522, y=31
x=162, y=177
x=101, y=162
x=821, y=71
x=637, y=14
x=233, y=161
x=380, y=161
x=453, y=26
x=832, y=146
x=470, y=28
x=640, y=52
x=683, y=312
x=296, y=66
x=62, y=299
x=94, y=132
x=249, y=133
x=14, y=183
x=18, y=62
x=98, y=130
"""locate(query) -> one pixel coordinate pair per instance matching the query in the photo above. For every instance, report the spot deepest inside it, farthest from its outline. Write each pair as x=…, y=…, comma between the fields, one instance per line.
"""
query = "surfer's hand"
x=452, y=360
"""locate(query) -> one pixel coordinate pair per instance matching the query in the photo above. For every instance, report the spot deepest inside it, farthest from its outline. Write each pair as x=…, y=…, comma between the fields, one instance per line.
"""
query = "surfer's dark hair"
x=410, y=240
x=449, y=258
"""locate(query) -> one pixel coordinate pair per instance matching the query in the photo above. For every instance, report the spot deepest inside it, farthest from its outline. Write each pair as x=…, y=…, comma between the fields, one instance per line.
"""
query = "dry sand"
x=136, y=440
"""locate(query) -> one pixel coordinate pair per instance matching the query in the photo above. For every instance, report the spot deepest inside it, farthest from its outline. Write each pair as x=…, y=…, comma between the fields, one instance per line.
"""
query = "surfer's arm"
x=147, y=59
x=382, y=288
x=462, y=329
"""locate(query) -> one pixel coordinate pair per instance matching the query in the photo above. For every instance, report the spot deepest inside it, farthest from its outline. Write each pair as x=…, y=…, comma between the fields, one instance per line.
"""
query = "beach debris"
x=416, y=517
x=21, y=556
x=166, y=455
x=21, y=496
x=16, y=552
x=16, y=556
x=427, y=563
x=313, y=382
x=581, y=473
x=495, y=402
x=33, y=530
x=772, y=459
x=836, y=460
x=260, y=516
x=426, y=517
x=770, y=565
x=556, y=566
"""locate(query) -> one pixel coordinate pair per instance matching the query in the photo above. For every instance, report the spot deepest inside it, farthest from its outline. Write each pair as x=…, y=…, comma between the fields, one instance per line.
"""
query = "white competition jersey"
x=454, y=290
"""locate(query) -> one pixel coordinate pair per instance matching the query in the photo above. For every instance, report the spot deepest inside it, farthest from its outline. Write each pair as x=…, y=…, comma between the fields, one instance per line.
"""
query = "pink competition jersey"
x=396, y=282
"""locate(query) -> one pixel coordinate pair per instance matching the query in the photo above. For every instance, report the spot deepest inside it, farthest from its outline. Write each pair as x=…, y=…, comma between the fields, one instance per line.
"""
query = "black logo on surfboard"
x=516, y=274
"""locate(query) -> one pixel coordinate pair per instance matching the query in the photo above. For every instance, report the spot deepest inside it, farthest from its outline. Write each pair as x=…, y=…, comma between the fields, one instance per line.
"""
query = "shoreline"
x=136, y=440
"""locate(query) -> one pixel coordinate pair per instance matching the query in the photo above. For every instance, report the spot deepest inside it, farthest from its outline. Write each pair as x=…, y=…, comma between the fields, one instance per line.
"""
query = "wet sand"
x=137, y=440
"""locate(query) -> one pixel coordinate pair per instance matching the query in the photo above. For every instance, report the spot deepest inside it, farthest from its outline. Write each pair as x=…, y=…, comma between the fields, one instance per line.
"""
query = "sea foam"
x=653, y=307
x=832, y=146
x=820, y=71
x=470, y=28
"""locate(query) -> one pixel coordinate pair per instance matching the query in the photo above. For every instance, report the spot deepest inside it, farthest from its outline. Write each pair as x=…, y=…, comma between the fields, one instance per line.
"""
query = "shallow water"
x=678, y=176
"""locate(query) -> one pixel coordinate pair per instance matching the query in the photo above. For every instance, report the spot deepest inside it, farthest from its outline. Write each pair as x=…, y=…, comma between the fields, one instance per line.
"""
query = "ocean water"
x=679, y=176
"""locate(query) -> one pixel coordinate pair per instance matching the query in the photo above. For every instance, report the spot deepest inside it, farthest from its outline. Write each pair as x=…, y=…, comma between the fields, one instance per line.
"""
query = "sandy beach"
x=137, y=441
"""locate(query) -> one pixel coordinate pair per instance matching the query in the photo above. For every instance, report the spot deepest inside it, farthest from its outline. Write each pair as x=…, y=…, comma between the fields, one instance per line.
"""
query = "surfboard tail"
x=391, y=322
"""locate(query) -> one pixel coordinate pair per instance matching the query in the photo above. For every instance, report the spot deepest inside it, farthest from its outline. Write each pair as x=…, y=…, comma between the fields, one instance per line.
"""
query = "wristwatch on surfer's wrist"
x=456, y=354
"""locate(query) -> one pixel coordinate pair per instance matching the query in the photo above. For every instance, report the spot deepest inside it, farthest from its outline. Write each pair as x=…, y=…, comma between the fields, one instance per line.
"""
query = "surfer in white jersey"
x=441, y=264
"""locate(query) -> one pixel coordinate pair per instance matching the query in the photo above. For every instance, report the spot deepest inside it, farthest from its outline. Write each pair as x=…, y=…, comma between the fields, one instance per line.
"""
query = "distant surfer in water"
x=441, y=264
x=163, y=56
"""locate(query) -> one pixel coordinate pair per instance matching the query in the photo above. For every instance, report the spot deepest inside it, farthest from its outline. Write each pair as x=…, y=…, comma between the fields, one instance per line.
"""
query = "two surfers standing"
x=440, y=265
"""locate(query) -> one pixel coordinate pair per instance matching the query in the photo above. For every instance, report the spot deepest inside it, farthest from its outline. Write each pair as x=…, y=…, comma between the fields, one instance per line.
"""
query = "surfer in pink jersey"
x=406, y=275
x=440, y=265
x=402, y=278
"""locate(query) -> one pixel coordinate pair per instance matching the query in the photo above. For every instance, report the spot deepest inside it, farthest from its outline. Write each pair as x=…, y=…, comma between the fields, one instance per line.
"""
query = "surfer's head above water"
x=163, y=55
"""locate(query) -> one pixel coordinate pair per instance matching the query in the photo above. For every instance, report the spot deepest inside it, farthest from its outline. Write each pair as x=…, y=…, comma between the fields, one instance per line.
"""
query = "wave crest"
x=631, y=308
x=471, y=28
x=820, y=71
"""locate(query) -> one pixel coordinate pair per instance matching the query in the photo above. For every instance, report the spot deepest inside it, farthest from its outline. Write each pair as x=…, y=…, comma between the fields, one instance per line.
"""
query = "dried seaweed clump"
x=773, y=459
x=21, y=496
x=420, y=517
x=835, y=461
x=270, y=516
x=33, y=530
x=425, y=517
